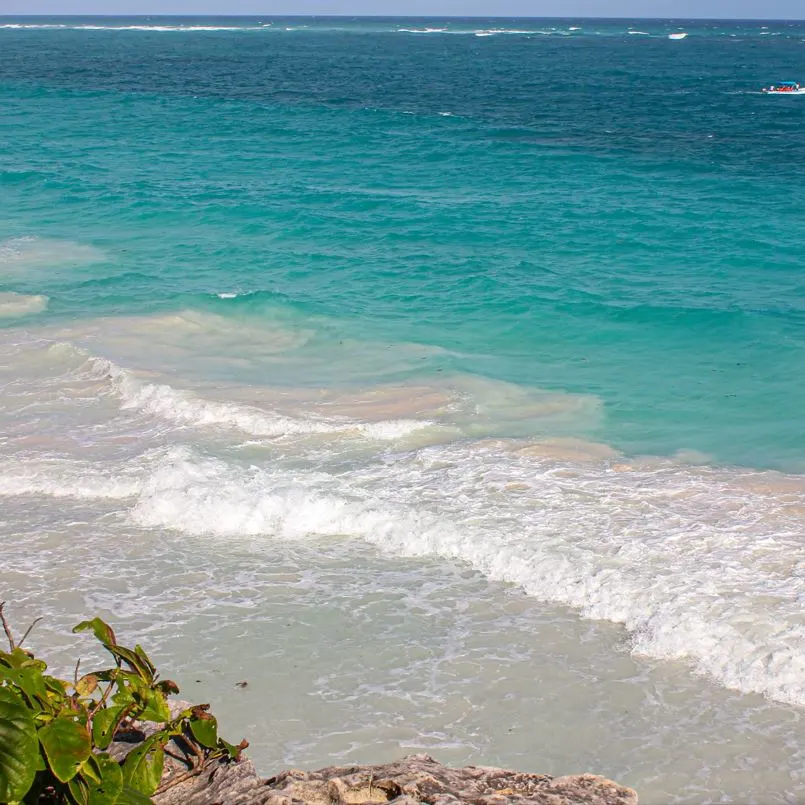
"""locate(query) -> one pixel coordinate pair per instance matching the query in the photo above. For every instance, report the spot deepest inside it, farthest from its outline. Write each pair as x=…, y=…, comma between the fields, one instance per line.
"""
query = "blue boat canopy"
x=787, y=84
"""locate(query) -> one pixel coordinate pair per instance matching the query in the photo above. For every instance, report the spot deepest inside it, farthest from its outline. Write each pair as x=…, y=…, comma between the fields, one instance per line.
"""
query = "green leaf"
x=105, y=723
x=106, y=789
x=205, y=730
x=19, y=658
x=156, y=708
x=110, y=786
x=234, y=752
x=67, y=745
x=79, y=790
x=30, y=681
x=12, y=696
x=146, y=660
x=142, y=768
x=103, y=631
x=134, y=661
x=129, y=688
x=19, y=750
x=41, y=763
x=56, y=687
x=90, y=770
x=109, y=675
x=130, y=796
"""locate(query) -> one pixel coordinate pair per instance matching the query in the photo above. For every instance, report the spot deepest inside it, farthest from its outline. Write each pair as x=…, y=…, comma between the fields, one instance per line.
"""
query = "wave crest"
x=690, y=562
x=185, y=408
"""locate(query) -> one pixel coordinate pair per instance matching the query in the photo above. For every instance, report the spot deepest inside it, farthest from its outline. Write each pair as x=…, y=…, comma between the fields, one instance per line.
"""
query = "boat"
x=680, y=35
x=785, y=88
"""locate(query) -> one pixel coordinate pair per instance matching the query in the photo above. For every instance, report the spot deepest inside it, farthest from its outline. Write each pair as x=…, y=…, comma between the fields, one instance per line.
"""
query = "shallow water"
x=453, y=405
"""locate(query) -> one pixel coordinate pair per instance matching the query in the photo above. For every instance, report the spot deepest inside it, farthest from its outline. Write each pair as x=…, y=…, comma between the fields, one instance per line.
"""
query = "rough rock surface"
x=415, y=779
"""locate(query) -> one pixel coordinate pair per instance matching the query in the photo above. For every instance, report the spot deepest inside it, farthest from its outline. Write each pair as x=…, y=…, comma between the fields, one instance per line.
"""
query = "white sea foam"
x=13, y=305
x=326, y=376
x=495, y=31
x=64, y=479
x=62, y=376
x=692, y=564
x=185, y=28
x=473, y=32
x=186, y=408
x=699, y=564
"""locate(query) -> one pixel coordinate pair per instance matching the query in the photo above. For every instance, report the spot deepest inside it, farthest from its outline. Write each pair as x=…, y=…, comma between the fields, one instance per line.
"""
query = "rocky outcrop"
x=187, y=779
x=415, y=779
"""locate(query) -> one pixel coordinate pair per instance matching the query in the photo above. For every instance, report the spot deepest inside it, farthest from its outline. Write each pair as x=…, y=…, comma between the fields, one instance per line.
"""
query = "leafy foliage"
x=54, y=734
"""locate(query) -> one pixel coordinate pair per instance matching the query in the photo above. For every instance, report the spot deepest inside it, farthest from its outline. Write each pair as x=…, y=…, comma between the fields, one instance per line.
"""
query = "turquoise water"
x=441, y=335
x=596, y=212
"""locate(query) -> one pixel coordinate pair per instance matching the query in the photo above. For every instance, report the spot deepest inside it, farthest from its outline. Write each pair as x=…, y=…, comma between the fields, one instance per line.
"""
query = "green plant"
x=54, y=734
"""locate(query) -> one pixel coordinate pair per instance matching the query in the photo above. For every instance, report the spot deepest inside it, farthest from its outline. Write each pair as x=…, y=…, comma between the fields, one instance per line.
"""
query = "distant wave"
x=356, y=29
x=469, y=32
x=68, y=27
x=422, y=30
x=495, y=31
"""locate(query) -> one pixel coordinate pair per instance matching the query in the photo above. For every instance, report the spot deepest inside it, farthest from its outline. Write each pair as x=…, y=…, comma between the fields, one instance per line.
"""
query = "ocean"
x=440, y=379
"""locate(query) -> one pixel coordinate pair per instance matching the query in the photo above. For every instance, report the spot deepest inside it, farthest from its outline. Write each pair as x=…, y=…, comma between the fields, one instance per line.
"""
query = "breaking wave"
x=185, y=408
x=698, y=564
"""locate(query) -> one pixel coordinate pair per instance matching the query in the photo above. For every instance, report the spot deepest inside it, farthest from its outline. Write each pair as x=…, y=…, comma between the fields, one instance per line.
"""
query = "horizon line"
x=402, y=17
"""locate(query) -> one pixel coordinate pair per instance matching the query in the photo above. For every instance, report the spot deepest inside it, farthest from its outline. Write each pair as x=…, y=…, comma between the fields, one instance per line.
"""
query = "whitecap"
x=692, y=563
x=185, y=408
x=64, y=478
x=156, y=28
